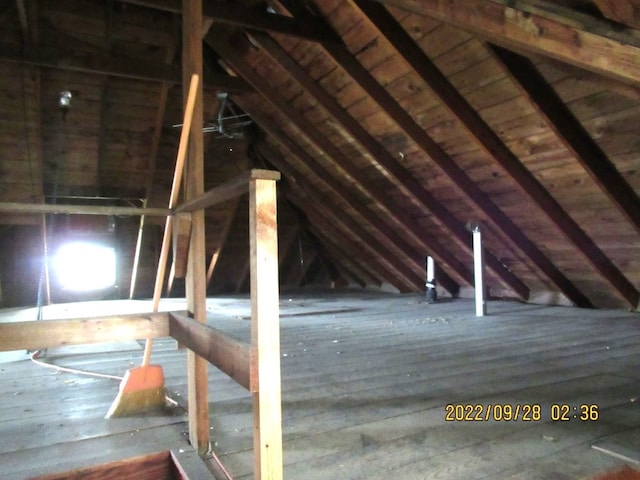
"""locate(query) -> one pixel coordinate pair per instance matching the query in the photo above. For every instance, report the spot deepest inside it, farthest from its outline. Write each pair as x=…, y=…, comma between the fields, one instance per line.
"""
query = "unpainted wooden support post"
x=265, y=329
x=197, y=380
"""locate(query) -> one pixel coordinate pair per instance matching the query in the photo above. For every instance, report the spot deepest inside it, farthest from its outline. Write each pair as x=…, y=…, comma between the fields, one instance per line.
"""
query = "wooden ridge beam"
x=342, y=162
x=228, y=190
x=481, y=132
x=386, y=161
x=235, y=358
x=231, y=13
x=541, y=27
x=118, y=67
x=39, y=208
x=35, y=335
x=571, y=132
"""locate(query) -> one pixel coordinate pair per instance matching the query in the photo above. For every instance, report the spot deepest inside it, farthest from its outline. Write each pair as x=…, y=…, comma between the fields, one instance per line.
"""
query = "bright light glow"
x=85, y=266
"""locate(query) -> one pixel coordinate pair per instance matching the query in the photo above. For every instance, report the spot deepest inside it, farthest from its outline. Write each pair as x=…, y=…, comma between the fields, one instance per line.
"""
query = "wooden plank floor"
x=366, y=377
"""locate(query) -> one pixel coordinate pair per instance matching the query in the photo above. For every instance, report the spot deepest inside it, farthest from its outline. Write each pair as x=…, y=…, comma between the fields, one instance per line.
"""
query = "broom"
x=142, y=388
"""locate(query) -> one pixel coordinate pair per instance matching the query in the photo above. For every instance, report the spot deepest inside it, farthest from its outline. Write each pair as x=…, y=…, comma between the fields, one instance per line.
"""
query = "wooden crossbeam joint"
x=228, y=190
x=235, y=358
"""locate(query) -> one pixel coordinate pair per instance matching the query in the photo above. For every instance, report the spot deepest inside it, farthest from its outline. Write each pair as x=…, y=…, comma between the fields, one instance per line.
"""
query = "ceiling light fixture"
x=65, y=102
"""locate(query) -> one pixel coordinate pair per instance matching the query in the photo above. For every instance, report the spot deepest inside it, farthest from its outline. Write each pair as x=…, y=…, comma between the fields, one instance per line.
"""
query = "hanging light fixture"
x=65, y=102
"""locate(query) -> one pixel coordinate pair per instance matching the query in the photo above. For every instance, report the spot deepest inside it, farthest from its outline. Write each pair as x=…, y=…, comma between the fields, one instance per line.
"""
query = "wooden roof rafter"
x=322, y=254
x=377, y=151
x=348, y=267
x=342, y=227
x=329, y=263
x=329, y=258
x=316, y=203
x=345, y=60
x=622, y=11
x=541, y=27
x=526, y=181
x=410, y=280
x=224, y=230
x=26, y=14
x=573, y=135
x=485, y=136
x=336, y=155
x=381, y=156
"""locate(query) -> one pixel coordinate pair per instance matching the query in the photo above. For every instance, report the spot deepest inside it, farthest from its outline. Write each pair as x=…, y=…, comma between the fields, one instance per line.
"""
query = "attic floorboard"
x=366, y=377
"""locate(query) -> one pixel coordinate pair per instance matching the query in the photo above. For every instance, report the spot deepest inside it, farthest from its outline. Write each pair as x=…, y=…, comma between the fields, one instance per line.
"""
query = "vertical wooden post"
x=265, y=329
x=196, y=275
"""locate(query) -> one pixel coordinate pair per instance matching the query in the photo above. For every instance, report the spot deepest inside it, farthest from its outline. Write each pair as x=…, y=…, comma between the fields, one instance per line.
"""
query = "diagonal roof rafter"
x=396, y=172
x=272, y=96
x=573, y=135
x=459, y=107
x=346, y=258
x=511, y=164
x=347, y=62
x=340, y=193
x=343, y=227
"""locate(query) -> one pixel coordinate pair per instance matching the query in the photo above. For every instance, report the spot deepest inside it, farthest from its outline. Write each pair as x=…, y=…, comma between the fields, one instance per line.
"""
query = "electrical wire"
x=220, y=465
x=34, y=359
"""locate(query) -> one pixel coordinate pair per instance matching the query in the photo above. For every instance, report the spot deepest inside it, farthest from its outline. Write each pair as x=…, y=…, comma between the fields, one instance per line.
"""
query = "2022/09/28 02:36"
x=524, y=412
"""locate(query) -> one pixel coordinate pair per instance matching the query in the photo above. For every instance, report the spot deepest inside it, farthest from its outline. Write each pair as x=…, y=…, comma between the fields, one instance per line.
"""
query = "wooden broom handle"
x=175, y=191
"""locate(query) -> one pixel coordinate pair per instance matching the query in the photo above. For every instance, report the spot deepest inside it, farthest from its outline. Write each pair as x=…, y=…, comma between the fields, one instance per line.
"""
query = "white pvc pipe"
x=430, y=269
x=478, y=269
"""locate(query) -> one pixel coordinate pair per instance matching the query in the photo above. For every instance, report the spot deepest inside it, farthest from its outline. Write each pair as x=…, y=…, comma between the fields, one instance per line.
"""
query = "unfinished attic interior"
x=364, y=239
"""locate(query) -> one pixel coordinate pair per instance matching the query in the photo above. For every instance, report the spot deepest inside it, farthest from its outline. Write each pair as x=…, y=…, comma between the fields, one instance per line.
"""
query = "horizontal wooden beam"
x=235, y=358
x=542, y=27
x=113, y=66
x=231, y=13
x=34, y=335
x=231, y=189
x=40, y=208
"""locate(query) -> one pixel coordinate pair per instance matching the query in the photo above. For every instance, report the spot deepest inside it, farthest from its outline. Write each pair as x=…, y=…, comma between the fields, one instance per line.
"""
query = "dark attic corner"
x=319, y=239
